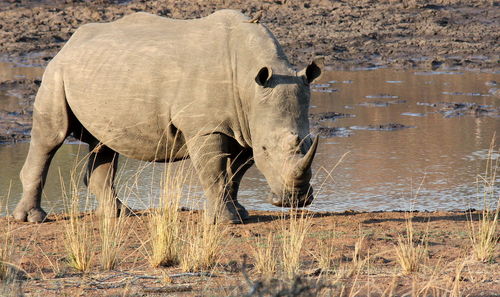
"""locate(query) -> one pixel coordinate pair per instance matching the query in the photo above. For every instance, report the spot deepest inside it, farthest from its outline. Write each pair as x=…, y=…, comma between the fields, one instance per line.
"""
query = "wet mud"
x=456, y=109
x=383, y=127
x=358, y=33
x=16, y=117
x=329, y=116
x=328, y=132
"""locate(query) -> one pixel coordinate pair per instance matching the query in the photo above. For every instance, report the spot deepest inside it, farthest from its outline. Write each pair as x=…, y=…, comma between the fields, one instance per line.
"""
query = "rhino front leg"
x=239, y=164
x=211, y=157
x=102, y=166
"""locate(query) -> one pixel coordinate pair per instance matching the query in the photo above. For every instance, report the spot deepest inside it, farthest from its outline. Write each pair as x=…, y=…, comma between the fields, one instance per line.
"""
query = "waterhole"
x=390, y=140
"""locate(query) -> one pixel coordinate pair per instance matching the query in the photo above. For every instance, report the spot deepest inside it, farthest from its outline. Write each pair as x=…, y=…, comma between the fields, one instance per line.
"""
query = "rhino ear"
x=263, y=76
x=313, y=70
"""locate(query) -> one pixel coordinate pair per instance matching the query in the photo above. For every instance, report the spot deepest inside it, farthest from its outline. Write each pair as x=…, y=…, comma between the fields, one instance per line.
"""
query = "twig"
x=192, y=274
x=168, y=289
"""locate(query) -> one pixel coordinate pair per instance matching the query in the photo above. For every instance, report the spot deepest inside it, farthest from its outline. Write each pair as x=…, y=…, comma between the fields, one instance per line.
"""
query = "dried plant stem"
x=265, y=257
x=112, y=231
x=410, y=255
x=294, y=233
x=483, y=235
x=78, y=234
x=202, y=243
x=6, y=248
x=164, y=222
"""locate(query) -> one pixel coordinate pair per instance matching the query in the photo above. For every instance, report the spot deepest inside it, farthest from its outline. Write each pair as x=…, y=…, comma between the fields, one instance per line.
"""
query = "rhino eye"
x=264, y=149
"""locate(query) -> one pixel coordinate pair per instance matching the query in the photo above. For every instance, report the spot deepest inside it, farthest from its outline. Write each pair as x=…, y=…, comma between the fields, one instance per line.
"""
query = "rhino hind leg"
x=50, y=128
x=101, y=170
x=33, y=175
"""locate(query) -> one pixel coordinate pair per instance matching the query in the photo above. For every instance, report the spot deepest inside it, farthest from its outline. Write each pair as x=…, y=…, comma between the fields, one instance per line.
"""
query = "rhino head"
x=282, y=147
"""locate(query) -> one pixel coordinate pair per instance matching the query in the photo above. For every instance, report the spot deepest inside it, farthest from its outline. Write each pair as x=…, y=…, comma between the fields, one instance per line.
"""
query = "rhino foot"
x=33, y=215
x=242, y=212
x=234, y=213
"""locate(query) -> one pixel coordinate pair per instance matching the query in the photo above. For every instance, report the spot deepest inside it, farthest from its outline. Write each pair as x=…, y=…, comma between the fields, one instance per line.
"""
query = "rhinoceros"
x=218, y=90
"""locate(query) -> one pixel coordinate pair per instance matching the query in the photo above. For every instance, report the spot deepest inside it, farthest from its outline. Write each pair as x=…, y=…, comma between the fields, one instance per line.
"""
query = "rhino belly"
x=133, y=130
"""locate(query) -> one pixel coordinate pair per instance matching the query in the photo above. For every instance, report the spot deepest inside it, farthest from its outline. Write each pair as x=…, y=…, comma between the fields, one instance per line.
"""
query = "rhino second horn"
x=305, y=163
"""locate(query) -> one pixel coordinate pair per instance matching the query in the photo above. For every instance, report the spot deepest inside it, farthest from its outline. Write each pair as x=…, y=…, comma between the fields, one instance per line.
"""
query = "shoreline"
x=51, y=216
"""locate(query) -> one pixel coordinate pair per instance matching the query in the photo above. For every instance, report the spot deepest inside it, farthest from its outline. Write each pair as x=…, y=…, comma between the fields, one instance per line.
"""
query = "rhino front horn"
x=305, y=163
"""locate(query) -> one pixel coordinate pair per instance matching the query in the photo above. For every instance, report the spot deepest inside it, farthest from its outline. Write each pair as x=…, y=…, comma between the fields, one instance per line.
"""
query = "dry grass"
x=358, y=262
x=164, y=223
x=294, y=231
x=455, y=283
x=325, y=254
x=483, y=235
x=6, y=248
x=5, y=253
x=202, y=245
x=438, y=281
x=409, y=253
x=78, y=234
x=266, y=262
x=112, y=233
x=357, y=258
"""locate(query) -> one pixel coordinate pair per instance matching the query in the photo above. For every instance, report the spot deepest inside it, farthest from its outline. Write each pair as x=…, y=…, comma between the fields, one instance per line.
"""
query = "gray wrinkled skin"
x=218, y=90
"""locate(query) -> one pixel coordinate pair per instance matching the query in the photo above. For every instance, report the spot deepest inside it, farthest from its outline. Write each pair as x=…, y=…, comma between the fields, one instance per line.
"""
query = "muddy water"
x=428, y=161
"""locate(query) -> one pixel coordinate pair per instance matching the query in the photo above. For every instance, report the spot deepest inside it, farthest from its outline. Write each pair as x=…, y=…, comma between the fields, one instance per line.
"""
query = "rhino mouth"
x=295, y=199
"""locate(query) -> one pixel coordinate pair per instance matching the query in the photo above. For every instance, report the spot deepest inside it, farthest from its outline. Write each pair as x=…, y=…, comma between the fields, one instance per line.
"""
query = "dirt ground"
x=356, y=34
x=40, y=255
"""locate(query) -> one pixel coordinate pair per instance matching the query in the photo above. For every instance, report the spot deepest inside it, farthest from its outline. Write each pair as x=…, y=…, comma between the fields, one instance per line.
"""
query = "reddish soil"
x=40, y=253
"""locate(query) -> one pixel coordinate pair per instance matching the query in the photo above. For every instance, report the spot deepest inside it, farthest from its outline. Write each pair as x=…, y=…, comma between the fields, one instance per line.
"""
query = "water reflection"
x=384, y=170
x=432, y=166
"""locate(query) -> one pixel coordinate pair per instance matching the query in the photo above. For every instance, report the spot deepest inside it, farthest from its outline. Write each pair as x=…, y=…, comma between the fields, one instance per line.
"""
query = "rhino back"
x=135, y=82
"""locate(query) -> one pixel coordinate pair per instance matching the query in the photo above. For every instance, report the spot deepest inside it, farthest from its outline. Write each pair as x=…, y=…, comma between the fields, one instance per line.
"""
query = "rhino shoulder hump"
x=139, y=17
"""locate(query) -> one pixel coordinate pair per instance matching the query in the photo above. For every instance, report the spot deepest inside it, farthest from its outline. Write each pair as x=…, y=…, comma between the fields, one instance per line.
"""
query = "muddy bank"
x=358, y=33
x=16, y=118
x=41, y=257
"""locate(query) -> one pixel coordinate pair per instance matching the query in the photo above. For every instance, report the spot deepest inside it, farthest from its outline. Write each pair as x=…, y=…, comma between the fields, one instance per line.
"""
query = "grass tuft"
x=202, y=242
x=164, y=222
x=294, y=231
x=410, y=254
x=6, y=250
x=266, y=263
x=78, y=234
x=112, y=231
x=483, y=235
